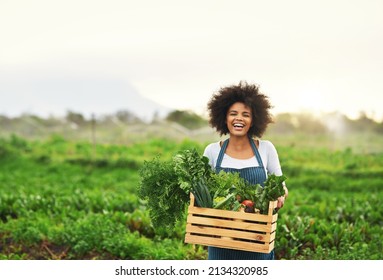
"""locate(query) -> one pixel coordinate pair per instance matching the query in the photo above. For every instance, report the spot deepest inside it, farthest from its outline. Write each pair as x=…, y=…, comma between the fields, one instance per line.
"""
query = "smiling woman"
x=243, y=112
x=249, y=95
x=239, y=119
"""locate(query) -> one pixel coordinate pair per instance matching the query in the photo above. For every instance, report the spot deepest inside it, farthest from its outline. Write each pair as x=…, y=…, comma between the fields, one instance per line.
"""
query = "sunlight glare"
x=311, y=101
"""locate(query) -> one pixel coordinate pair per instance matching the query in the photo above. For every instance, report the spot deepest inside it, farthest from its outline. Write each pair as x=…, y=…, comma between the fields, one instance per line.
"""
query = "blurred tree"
x=187, y=119
x=379, y=128
x=126, y=116
x=363, y=123
x=75, y=118
x=5, y=121
x=299, y=122
x=284, y=123
x=309, y=124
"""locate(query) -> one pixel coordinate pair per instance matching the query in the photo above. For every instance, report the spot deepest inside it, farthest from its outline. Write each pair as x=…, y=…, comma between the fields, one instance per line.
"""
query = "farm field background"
x=73, y=199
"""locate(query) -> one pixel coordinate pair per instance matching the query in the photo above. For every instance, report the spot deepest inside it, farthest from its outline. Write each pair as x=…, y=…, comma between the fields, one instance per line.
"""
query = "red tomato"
x=247, y=203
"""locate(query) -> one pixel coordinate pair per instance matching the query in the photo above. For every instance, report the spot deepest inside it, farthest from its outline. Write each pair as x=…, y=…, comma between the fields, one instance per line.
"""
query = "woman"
x=242, y=112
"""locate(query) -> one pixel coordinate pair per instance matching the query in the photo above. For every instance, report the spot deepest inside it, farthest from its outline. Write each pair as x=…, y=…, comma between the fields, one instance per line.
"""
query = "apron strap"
x=256, y=152
x=223, y=150
x=222, y=153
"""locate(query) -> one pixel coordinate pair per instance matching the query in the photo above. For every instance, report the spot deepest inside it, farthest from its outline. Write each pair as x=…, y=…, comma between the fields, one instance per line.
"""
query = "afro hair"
x=250, y=95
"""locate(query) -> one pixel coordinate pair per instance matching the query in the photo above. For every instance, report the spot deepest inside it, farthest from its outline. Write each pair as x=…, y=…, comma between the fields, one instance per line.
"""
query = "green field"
x=63, y=199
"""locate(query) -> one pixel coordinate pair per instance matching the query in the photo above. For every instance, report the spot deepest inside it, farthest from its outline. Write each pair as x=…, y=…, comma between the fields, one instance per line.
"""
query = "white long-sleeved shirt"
x=266, y=150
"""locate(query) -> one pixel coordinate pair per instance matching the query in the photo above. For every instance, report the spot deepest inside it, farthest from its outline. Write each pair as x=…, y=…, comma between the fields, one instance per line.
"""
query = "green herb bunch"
x=271, y=191
x=166, y=186
x=159, y=187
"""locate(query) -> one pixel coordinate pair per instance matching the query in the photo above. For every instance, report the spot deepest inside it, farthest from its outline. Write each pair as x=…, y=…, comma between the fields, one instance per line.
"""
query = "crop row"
x=72, y=200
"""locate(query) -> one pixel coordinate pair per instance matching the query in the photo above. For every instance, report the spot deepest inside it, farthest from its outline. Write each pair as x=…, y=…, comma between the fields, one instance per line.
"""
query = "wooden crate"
x=230, y=229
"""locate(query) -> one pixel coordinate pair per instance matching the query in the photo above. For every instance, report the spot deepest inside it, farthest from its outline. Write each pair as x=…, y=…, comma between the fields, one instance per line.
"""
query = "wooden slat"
x=231, y=244
x=275, y=218
x=251, y=236
x=232, y=214
x=229, y=224
x=230, y=229
x=272, y=206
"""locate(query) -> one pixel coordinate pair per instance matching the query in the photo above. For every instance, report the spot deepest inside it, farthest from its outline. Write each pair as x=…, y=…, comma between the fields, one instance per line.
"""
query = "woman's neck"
x=239, y=142
x=239, y=147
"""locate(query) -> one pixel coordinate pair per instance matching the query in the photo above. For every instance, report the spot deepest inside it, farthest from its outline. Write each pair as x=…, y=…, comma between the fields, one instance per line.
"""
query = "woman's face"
x=239, y=119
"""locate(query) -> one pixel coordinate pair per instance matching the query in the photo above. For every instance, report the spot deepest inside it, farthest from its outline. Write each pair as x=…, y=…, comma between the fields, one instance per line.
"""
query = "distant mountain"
x=56, y=96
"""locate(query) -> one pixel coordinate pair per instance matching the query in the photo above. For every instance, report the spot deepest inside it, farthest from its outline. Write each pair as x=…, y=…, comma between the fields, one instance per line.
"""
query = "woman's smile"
x=239, y=119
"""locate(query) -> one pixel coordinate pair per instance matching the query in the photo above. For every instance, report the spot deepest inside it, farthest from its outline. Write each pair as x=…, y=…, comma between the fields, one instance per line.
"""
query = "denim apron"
x=255, y=175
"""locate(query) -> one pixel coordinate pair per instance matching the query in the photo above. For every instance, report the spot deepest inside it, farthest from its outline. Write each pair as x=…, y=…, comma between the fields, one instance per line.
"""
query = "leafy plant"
x=271, y=191
x=190, y=167
x=159, y=186
x=332, y=211
x=166, y=187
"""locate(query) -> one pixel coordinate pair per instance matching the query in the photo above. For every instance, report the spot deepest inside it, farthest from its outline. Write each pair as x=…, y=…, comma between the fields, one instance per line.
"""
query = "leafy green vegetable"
x=190, y=167
x=159, y=186
x=226, y=203
x=271, y=191
x=229, y=188
x=166, y=186
x=201, y=193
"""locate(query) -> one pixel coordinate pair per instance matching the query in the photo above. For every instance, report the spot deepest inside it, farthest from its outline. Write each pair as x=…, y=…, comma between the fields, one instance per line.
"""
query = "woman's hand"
x=281, y=199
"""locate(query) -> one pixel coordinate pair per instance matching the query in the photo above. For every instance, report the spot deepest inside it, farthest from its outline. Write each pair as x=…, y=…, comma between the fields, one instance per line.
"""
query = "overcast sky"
x=306, y=55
